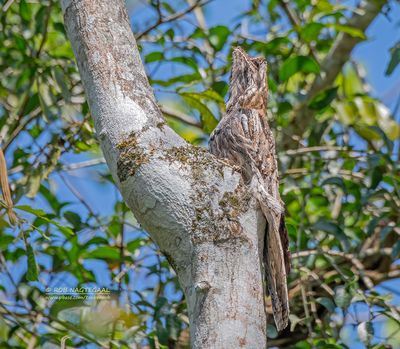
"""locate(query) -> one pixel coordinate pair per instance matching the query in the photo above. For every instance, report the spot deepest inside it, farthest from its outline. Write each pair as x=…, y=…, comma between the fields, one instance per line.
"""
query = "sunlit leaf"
x=154, y=57
x=355, y=32
x=311, y=31
x=298, y=64
x=218, y=36
x=104, y=252
x=25, y=10
x=207, y=117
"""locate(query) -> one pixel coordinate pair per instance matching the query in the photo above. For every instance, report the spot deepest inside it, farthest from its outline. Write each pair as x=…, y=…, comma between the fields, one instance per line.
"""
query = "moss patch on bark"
x=131, y=157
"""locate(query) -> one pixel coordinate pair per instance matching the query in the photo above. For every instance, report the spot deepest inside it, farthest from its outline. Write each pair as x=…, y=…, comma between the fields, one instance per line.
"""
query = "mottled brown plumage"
x=244, y=138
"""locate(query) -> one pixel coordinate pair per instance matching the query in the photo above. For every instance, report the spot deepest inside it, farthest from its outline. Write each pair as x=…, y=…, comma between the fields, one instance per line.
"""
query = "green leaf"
x=338, y=181
x=367, y=132
x=65, y=230
x=61, y=81
x=376, y=176
x=394, y=59
x=212, y=95
x=323, y=99
x=73, y=218
x=284, y=107
x=396, y=250
x=218, y=35
x=365, y=332
x=275, y=45
x=29, y=209
x=342, y=297
x=40, y=19
x=297, y=64
x=352, y=31
x=25, y=10
x=327, y=303
x=20, y=42
x=133, y=245
x=186, y=61
x=168, y=7
x=32, y=104
x=333, y=229
x=32, y=271
x=153, y=57
x=310, y=31
x=184, y=78
x=292, y=231
x=59, y=27
x=5, y=240
x=207, y=117
x=198, y=33
x=221, y=87
x=104, y=252
x=97, y=240
x=43, y=215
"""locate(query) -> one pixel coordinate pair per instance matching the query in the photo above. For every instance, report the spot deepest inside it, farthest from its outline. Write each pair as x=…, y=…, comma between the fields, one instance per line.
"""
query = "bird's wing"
x=230, y=141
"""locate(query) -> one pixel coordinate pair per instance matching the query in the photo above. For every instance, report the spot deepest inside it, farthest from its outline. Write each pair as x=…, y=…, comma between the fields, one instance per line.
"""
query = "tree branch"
x=183, y=196
x=182, y=117
x=341, y=50
x=296, y=23
x=334, y=61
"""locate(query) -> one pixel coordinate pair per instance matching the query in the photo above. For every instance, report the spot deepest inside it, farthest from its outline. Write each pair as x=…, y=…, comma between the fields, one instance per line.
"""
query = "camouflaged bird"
x=244, y=138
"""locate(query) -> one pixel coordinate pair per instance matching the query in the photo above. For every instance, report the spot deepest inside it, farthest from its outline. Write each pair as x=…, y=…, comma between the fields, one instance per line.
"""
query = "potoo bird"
x=244, y=138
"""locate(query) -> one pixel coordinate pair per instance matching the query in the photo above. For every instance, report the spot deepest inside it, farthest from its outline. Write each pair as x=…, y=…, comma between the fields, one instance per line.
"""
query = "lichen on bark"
x=217, y=215
x=131, y=157
x=198, y=159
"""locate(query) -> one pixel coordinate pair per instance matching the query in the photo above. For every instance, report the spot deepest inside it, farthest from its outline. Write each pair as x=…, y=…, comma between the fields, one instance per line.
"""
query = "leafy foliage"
x=340, y=179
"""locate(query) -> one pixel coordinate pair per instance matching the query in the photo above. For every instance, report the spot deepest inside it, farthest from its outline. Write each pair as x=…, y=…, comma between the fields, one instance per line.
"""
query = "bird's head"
x=248, y=73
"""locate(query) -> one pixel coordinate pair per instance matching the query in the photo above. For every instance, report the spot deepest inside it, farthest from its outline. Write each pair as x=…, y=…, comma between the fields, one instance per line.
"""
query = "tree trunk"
x=197, y=210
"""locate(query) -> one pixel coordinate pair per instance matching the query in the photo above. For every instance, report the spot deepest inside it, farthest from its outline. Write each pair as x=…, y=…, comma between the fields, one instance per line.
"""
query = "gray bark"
x=196, y=209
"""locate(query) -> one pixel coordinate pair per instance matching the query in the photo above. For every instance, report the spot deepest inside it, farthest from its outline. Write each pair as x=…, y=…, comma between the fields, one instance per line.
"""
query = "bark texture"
x=196, y=209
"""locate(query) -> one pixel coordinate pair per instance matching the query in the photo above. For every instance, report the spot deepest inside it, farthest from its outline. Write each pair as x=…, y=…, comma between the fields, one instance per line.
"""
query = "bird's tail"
x=274, y=259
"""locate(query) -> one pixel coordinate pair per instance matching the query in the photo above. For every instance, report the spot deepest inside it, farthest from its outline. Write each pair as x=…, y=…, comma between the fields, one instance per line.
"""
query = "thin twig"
x=180, y=116
x=171, y=18
x=348, y=256
x=296, y=23
x=77, y=194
